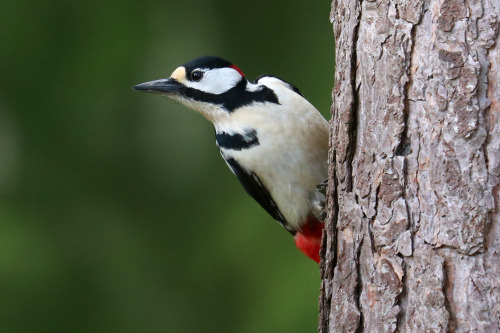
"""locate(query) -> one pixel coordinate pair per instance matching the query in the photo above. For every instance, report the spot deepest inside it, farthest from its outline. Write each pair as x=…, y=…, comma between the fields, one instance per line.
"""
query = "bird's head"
x=210, y=85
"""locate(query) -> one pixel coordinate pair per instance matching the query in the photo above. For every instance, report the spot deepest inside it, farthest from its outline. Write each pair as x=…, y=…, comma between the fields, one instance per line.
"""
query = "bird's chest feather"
x=283, y=167
x=284, y=146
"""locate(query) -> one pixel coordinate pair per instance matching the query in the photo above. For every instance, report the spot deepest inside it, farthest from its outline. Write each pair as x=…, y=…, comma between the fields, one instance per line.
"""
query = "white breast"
x=291, y=158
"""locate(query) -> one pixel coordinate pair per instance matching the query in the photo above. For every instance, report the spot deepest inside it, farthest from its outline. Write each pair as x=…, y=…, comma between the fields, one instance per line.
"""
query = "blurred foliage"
x=117, y=213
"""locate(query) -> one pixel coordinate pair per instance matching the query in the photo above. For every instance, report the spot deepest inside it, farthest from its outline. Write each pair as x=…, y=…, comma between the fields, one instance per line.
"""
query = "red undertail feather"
x=308, y=240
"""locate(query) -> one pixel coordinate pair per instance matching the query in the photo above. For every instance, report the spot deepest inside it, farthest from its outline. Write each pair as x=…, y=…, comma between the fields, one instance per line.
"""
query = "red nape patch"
x=239, y=70
x=308, y=240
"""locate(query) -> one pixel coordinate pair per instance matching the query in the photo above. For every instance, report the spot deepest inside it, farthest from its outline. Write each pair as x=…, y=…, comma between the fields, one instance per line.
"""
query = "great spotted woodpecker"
x=270, y=136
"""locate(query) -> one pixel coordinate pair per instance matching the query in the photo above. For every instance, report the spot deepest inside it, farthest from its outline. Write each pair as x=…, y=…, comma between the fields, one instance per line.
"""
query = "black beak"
x=163, y=86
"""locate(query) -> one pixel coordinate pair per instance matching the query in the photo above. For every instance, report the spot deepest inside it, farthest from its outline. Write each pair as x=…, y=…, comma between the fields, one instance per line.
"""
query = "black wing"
x=254, y=187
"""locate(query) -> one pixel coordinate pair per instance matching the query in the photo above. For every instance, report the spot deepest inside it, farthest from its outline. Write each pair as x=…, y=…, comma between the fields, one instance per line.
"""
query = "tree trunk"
x=412, y=237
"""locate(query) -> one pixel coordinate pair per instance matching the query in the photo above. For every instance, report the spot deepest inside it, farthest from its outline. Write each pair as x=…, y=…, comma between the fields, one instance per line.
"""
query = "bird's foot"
x=319, y=200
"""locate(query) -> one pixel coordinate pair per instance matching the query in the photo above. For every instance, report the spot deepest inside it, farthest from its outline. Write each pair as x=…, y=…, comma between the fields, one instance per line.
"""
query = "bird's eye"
x=196, y=75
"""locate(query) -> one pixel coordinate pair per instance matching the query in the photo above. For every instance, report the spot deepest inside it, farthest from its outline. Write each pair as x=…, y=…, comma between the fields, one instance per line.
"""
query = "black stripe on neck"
x=235, y=97
x=237, y=141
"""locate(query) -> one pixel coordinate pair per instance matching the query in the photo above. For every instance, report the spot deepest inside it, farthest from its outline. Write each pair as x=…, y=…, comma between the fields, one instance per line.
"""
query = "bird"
x=270, y=136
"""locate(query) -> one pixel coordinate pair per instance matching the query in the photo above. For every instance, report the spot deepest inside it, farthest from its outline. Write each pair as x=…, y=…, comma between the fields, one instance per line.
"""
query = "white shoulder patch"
x=272, y=81
x=252, y=87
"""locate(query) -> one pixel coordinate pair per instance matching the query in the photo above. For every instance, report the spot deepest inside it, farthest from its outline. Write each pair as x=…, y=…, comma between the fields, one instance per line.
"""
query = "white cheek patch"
x=216, y=81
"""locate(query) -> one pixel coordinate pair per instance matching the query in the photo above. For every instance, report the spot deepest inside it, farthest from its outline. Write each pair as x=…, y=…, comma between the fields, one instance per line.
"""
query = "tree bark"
x=412, y=237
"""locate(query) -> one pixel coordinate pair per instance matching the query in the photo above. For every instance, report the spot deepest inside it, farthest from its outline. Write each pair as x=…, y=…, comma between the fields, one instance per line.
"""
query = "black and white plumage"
x=270, y=136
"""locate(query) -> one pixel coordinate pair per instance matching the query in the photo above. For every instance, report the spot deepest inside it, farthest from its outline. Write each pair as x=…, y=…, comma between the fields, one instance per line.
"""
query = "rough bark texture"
x=412, y=238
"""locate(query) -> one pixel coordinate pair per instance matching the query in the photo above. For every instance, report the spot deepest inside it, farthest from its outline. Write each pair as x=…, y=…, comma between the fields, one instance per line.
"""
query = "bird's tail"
x=308, y=239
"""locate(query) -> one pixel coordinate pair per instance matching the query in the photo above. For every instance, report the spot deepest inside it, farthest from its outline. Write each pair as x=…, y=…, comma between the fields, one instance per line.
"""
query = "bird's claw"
x=319, y=200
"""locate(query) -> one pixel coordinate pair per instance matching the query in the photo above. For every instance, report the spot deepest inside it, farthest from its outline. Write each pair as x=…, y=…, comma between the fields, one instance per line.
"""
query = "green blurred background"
x=117, y=213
